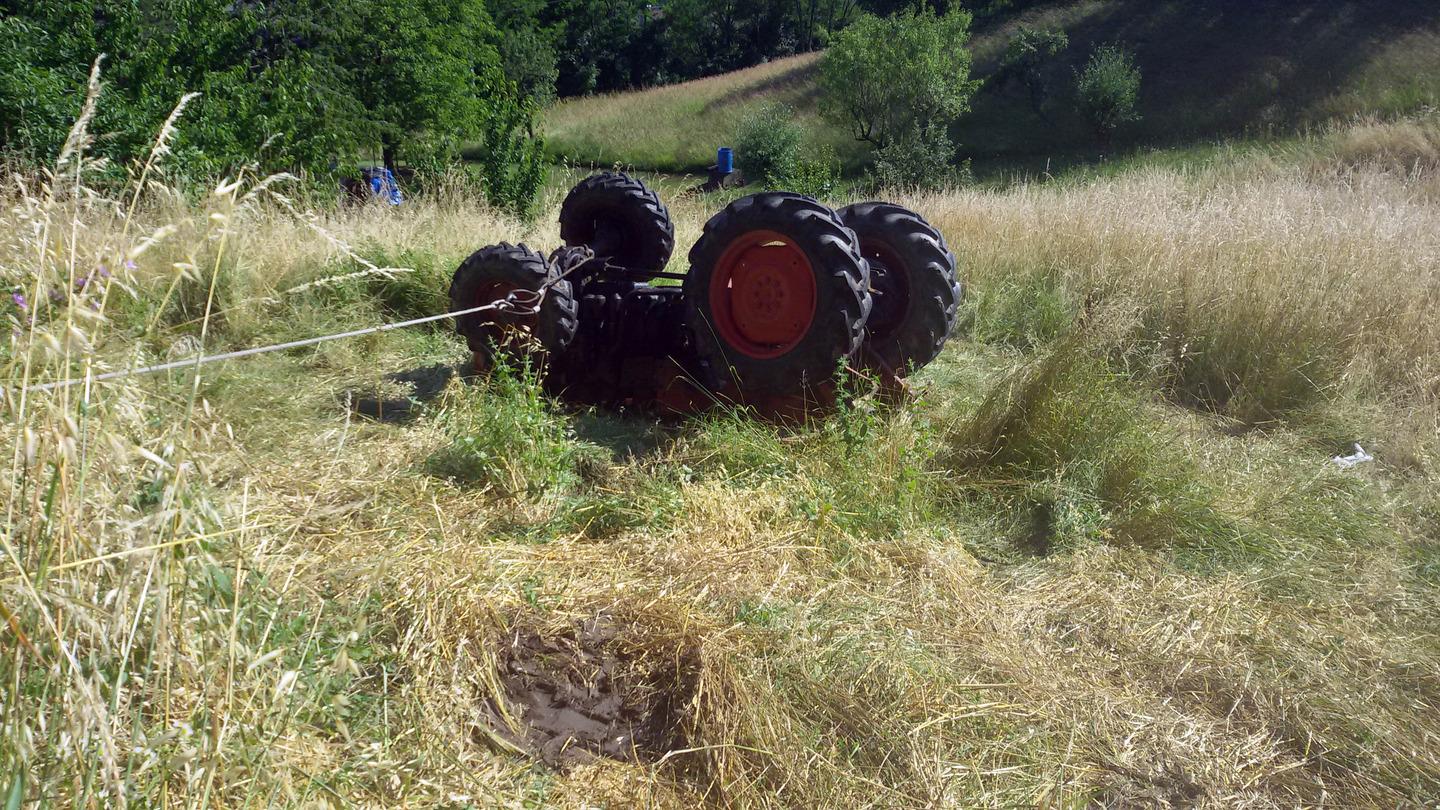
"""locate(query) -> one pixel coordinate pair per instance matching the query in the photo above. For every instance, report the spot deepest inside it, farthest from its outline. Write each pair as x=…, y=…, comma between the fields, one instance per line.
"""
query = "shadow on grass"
x=404, y=393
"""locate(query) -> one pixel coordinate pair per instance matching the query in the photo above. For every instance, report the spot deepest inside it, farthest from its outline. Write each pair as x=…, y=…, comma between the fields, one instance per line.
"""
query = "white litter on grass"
x=1358, y=457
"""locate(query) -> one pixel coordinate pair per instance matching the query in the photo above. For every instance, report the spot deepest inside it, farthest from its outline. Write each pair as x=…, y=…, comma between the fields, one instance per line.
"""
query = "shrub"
x=1108, y=90
x=815, y=176
x=768, y=144
x=1025, y=58
x=921, y=160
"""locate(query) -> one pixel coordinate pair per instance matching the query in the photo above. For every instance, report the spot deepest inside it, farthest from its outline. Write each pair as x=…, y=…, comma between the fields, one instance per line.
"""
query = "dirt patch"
x=590, y=691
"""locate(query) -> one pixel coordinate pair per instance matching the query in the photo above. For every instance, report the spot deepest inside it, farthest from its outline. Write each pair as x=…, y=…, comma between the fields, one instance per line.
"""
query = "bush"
x=814, y=176
x=1025, y=58
x=768, y=144
x=919, y=161
x=1108, y=90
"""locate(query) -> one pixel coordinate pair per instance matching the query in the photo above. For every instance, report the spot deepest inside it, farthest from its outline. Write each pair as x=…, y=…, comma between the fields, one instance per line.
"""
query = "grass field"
x=677, y=128
x=1104, y=556
x=1212, y=71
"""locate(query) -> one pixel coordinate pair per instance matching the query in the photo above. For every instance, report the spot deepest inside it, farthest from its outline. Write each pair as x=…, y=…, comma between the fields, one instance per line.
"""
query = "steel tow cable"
x=518, y=302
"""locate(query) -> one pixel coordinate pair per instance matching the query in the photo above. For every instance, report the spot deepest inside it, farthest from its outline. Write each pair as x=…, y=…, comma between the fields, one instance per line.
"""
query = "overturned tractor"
x=781, y=293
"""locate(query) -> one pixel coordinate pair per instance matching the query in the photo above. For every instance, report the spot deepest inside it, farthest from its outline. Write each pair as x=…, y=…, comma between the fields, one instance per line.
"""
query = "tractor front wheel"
x=490, y=276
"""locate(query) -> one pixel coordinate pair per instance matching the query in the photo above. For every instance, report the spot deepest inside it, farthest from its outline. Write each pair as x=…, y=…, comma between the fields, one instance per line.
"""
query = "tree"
x=1108, y=90
x=597, y=43
x=415, y=76
x=1025, y=58
x=284, y=85
x=528, y=48
x=819, y=17
x=263, y=100
x=898, y=77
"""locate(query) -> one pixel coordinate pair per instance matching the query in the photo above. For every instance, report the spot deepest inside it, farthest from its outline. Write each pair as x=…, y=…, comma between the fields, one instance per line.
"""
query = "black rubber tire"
x=620, y=219
x=907, y=339
x=485, y=332
x=842, y=292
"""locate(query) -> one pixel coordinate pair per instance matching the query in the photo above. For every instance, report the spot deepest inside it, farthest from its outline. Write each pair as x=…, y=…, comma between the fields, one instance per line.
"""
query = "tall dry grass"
x=1258, y=291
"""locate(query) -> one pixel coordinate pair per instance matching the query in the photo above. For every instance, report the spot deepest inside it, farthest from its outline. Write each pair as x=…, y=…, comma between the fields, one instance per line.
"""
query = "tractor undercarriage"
x=781, y=293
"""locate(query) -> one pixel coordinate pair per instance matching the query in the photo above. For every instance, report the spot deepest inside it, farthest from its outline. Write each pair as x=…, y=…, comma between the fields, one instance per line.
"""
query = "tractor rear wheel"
x=777, y=293
x=620, y=219
x=913, y=279
x=490, y=275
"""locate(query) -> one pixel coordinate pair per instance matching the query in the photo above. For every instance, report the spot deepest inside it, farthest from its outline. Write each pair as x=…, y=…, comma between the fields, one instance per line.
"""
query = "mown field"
x=1102, y=557
x=676, y=128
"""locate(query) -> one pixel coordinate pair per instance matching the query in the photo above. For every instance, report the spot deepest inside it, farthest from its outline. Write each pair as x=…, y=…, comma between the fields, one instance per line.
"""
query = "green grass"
x=677, y=128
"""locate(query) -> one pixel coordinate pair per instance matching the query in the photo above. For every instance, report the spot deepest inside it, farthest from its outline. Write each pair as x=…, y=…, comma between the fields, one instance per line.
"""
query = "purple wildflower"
x=129, y=265
x=20, y=301
x=80, y=282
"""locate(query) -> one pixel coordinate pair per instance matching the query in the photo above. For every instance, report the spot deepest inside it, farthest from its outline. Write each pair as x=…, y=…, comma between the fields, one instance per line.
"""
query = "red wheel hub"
x=491, y=292
x=762, y=294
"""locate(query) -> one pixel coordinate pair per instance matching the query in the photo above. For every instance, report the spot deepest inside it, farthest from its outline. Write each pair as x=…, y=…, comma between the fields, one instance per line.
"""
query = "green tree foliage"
x=261, y=100
x=1025, y=59
x=603, y=46
x=767, y=144
x=302, y=85
x=528, y=56
x=918, y=162
x=1108, y=90
x=528, y=48
x=906, y=76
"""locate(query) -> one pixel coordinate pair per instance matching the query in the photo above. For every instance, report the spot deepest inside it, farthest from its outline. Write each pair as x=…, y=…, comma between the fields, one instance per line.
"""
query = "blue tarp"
x=382, y=184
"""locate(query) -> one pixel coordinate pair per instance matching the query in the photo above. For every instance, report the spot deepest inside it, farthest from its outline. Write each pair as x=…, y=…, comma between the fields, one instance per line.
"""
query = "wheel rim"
x=498, y=321
x=610, y=236
x=762, y=294
x=889, y=285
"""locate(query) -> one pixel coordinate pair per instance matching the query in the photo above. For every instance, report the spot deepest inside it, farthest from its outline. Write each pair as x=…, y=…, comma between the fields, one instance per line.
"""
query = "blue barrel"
x=725, y=160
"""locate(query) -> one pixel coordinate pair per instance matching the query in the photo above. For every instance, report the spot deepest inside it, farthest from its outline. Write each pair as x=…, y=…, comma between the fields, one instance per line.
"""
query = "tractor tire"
x=913, y=280
x=777, y=294
x=620, y=219
x=491, y=274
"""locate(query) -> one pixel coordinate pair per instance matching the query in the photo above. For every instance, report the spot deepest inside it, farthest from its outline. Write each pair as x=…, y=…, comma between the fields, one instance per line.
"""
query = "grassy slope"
x=1211, y=69
x=1059, y=577
x=678, y=127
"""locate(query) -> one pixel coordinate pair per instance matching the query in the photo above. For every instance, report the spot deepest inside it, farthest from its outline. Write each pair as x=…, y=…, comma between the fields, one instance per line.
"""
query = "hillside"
x=677, y=128
x=1104, y=556
x=1211, y=69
